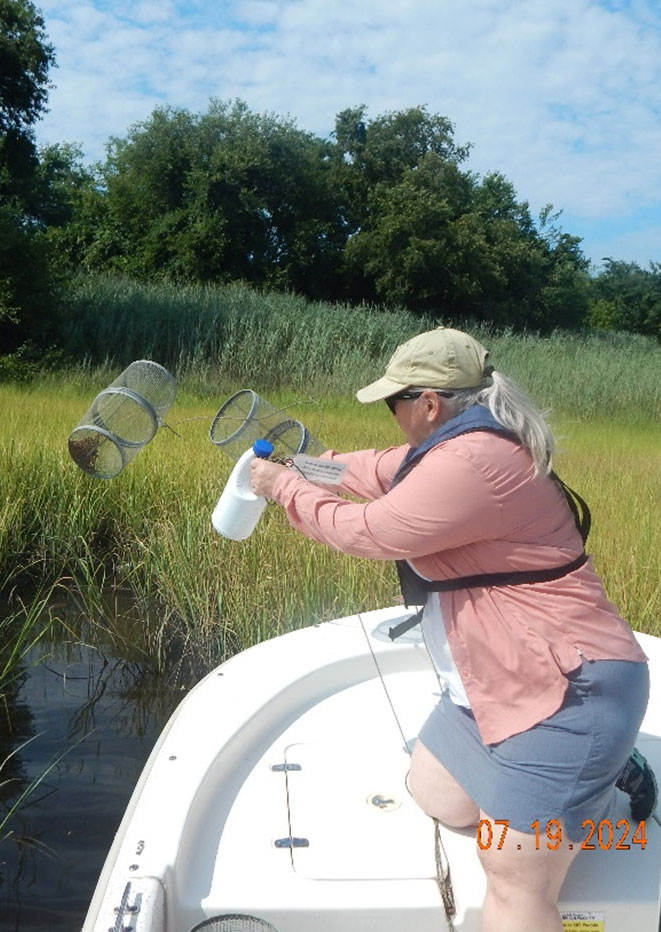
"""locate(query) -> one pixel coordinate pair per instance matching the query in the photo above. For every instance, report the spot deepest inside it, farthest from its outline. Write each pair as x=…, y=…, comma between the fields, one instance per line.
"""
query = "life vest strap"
x=422, y=587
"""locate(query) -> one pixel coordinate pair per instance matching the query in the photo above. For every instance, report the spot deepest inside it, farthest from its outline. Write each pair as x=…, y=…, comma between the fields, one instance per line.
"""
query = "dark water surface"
x=106, y=715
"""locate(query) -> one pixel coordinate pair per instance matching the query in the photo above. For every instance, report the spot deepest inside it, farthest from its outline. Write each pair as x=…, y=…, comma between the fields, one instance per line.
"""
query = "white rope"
x=383, y=683
x=443, y=878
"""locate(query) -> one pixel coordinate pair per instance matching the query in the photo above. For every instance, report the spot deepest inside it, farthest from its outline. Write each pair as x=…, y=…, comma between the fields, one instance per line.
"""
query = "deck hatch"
x=353, y=806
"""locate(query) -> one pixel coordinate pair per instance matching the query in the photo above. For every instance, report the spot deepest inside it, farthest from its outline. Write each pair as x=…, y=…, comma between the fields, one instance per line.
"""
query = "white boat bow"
x=278, y=791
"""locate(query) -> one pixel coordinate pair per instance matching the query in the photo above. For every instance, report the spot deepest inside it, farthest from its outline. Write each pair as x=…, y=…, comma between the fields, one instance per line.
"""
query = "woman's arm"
x=368, y=473
x=445, y=502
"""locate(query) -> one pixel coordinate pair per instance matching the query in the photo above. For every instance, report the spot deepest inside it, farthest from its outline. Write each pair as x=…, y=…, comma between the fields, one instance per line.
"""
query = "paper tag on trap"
x=323, y=472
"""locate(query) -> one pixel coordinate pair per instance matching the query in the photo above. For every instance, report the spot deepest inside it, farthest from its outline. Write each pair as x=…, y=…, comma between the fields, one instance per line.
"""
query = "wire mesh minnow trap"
x=245, y=417
x=122, y=419
x=234, y=923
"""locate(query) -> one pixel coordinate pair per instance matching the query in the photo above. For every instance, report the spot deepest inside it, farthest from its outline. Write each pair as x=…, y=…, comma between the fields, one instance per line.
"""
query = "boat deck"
x=278, y=790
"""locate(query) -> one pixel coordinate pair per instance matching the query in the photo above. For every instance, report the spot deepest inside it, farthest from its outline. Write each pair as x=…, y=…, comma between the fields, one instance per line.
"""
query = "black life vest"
x=414, y=588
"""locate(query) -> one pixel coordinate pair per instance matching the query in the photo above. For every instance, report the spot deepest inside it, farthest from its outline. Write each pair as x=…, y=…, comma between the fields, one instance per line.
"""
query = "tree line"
x=383, y=211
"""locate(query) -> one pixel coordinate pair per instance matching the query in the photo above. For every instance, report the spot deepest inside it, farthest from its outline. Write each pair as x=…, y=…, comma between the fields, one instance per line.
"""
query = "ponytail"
x=514, y=410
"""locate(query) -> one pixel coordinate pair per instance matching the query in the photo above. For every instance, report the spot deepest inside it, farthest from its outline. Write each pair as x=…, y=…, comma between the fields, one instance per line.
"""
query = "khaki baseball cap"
x=440, y=358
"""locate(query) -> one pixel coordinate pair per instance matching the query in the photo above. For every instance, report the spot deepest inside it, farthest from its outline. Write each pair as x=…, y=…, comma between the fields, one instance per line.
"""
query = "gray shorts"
x=563, y=768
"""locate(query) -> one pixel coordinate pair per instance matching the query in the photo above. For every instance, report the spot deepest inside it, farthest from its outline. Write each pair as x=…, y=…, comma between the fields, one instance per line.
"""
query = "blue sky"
x=561, y=96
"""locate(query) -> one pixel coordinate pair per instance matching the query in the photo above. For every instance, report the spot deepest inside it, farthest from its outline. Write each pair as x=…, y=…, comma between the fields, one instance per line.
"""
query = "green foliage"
x=225, y=196
x=626, y=297
x=26, y=286
x=445, y=242
x=367, y=156
x=405, y=246
x=381, y=212
x=27, y=290
x=25, y=58
x=29, y=362
x=70, y=207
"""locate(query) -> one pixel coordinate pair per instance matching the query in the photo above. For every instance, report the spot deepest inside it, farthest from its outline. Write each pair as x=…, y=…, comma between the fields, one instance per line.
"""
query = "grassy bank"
x=216, y=338
x=138, y=554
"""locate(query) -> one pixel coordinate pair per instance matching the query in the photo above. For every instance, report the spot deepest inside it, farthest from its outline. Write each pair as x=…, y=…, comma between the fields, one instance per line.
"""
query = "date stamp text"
x=604, y=836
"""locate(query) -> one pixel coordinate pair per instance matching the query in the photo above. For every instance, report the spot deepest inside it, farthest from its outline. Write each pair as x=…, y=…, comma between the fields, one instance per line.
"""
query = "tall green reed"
x=215, y=336
x=22, y=625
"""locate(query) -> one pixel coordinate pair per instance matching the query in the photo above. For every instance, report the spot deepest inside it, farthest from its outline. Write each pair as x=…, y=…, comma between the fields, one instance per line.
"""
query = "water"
x=101, y=716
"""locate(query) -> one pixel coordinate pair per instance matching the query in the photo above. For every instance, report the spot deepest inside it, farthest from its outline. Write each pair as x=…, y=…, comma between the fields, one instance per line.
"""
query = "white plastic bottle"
x=239, y=509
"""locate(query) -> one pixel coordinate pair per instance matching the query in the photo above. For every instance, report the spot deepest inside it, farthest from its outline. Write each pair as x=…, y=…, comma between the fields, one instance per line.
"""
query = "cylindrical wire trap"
x=234, y=923
x=122, y=419
x=246, y=417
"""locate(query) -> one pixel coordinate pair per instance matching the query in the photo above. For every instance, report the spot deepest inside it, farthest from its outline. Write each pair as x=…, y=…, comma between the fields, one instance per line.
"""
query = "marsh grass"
x=617, y=468
x=215, y=337
x=22, y=626
x=140, y=558
x=138, y=553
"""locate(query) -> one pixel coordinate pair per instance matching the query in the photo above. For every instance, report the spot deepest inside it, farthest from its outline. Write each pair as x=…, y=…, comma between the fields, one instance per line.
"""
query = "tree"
x=221, y=196
x=425, y=234
x=383, y=211
x=565, y=289
x=381, y=168
x=406, y=250
x=371, y=155
x=25, y=58
x=70, y=206
x=626, y=297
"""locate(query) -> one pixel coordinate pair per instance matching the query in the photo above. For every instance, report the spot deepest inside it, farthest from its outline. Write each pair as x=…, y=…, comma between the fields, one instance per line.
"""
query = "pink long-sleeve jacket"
x=473, y=505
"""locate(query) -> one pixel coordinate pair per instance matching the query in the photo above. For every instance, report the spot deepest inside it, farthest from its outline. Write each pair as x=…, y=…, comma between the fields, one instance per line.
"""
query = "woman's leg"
x=524, y=878
x=437, y=792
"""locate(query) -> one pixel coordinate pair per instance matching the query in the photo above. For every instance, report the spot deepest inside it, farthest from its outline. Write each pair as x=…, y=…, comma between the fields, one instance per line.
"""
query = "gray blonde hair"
x=515, y=411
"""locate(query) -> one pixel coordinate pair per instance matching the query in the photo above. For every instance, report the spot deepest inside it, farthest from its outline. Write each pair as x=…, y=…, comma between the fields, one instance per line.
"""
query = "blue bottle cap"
x=262, y=449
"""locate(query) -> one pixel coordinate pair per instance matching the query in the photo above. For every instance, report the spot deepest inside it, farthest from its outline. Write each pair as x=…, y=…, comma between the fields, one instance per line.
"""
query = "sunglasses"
x=410, y=394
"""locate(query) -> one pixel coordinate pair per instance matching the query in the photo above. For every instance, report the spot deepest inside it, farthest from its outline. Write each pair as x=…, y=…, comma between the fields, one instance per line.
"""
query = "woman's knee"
x=518, y=869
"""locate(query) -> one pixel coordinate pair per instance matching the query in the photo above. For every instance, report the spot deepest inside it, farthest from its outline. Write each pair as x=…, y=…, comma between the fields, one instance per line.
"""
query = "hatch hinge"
x=291, y=842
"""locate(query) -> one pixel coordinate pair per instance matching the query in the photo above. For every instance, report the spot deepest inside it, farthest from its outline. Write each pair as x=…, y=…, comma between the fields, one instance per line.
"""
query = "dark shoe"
x=637, y=780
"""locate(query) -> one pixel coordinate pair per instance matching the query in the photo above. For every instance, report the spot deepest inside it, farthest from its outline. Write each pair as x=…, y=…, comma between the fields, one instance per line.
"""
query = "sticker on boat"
x=583, y=922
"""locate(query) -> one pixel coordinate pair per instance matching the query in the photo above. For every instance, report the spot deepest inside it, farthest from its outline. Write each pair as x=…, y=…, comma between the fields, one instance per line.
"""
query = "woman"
x=544, y=685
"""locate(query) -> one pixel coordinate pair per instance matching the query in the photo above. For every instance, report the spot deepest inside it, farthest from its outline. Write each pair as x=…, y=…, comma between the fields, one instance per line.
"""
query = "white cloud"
x=564, y=98
x=151, y=11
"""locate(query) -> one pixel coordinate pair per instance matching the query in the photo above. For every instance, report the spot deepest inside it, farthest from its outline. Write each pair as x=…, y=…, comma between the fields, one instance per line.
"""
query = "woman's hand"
x=263, y=476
